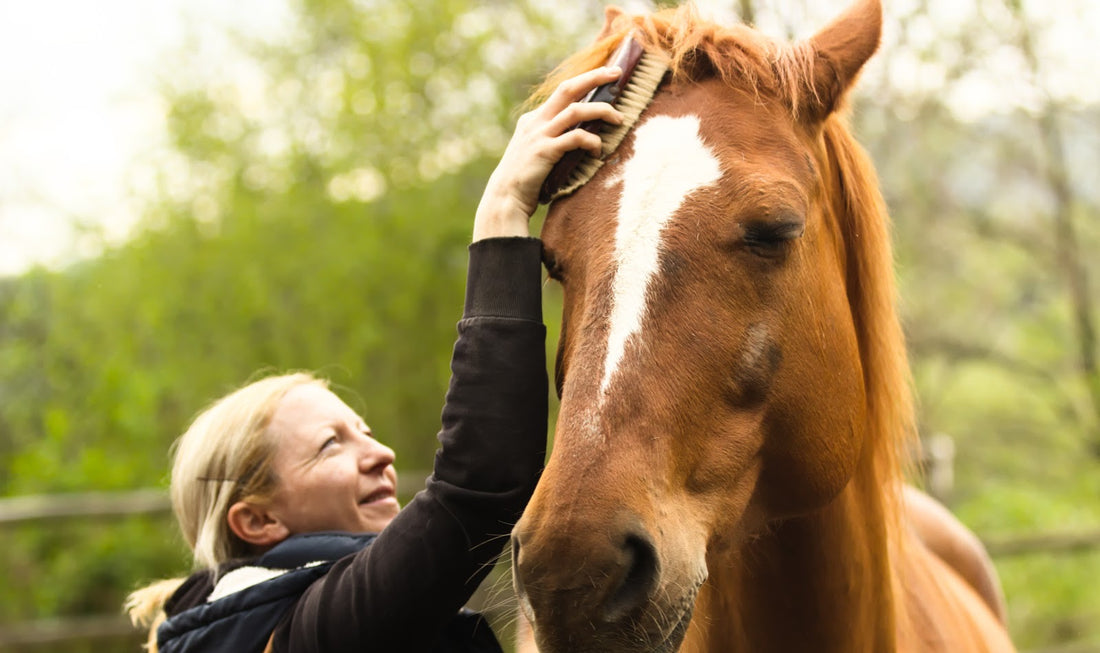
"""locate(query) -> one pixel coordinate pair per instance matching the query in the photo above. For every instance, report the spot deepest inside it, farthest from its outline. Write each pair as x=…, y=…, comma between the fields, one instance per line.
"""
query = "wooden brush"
x=631, y=93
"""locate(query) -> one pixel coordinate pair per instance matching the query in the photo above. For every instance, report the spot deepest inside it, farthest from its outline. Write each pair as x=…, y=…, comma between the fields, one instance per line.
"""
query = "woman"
x=280, y=488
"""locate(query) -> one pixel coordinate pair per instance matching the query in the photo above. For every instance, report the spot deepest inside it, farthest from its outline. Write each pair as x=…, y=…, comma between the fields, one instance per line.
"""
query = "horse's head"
x=713, y=364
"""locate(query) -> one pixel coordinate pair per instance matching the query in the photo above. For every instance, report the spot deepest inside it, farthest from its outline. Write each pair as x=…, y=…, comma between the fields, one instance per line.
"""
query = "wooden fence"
x=152, y=502
x=16, y=511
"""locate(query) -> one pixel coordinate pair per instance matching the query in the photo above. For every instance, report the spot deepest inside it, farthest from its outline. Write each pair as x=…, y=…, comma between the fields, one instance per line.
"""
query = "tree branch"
x=1066, y=241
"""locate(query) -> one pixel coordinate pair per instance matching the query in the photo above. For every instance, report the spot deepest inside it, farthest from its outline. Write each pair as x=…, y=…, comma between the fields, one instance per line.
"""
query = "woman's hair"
x=224, y=457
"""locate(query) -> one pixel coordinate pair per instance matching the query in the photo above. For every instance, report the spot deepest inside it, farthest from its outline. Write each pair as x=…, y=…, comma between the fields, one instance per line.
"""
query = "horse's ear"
x=839, y=52
x=610, y=15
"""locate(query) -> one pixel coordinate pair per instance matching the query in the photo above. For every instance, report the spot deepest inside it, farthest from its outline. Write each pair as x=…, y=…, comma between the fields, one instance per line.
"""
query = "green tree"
x=313, y=213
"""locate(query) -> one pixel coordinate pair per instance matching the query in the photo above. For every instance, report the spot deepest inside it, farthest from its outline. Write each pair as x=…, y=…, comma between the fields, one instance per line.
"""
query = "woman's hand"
x=540, y=140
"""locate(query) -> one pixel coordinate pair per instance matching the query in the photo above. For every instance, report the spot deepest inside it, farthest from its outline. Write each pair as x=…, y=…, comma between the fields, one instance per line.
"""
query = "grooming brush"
x=631, y=93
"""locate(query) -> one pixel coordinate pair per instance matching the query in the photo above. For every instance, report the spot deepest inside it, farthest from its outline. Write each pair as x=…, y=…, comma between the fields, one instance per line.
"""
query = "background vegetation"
x=314, y=214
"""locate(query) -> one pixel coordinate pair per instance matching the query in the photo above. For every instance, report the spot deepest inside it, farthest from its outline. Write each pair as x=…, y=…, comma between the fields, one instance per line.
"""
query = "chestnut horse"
x=728, y=466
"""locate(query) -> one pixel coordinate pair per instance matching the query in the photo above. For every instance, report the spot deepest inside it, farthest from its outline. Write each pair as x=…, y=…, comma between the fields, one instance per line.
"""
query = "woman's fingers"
x=577, y=139
x=575, y=88
x=546, y=135
x=579, y=112
x=541, y=138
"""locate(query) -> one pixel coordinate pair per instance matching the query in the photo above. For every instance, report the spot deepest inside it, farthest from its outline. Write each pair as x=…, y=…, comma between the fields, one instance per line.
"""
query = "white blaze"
x=670, y=161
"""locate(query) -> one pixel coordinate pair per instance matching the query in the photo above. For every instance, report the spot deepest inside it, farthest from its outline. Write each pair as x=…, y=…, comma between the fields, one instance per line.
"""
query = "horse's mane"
x=698, y=49
x=745, y=58
x=872, y=297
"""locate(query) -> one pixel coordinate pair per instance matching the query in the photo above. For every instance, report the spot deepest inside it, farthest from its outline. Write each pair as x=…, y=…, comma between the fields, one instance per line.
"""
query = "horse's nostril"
x=515, y=563
x=517, y=582
x=615, y=583
x=639, y=580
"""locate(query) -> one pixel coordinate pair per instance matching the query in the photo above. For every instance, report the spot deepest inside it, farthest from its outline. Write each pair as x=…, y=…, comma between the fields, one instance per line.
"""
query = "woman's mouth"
x=381, y=494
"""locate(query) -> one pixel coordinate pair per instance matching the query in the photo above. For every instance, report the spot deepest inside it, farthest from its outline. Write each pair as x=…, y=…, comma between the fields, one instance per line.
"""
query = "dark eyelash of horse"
x=767, y=238
x=553, y=268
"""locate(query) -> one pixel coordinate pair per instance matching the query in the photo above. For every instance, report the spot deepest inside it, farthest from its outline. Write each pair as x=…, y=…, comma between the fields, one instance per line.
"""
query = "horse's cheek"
x=814, y=442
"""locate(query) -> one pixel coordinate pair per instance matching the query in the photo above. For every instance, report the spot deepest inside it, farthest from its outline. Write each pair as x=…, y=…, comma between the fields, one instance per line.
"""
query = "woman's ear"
x=256, y=525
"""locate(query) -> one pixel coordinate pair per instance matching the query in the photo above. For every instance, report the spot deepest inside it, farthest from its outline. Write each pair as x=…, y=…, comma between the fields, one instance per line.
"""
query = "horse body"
x=806, y=586
x=726, y=473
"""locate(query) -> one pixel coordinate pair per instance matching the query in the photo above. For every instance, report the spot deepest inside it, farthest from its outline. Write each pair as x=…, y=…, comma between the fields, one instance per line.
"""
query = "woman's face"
x=332, y=474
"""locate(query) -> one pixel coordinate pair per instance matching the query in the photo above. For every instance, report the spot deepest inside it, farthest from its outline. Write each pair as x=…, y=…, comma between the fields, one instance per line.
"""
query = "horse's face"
x=708, y=366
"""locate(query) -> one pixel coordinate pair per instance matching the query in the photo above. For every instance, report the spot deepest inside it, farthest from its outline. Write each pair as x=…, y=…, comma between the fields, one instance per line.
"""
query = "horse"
x=729, y=461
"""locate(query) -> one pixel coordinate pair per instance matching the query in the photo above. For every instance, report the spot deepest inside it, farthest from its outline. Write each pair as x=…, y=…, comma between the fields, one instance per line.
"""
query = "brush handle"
x=626, y=57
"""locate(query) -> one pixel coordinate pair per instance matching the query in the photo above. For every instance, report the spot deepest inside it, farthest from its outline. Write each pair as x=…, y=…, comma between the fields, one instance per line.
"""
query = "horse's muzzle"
x=587, y=593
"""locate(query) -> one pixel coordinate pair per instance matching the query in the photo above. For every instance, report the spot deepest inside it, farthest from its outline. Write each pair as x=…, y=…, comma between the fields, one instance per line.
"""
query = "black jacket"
x=252, y=599
x=404, y=590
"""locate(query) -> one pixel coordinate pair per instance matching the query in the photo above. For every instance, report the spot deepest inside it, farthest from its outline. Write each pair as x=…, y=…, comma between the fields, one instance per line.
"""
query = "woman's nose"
x=374, y=455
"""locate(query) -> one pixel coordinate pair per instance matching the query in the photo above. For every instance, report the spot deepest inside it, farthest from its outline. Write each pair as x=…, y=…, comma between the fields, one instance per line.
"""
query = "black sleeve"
x=396, y=594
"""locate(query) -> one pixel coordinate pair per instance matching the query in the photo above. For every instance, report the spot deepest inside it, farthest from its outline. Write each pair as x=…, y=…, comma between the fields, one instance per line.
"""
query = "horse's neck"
x=815, y=583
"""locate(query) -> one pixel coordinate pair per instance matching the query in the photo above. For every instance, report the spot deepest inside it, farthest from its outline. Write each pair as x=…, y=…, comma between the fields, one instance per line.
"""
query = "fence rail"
x=51, y=632
x=1068, y=542
x=129, y=503
x=152, y=501
x=20, y=510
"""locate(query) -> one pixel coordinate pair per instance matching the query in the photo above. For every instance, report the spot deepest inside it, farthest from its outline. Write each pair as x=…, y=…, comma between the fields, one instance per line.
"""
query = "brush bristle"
x=636, y=96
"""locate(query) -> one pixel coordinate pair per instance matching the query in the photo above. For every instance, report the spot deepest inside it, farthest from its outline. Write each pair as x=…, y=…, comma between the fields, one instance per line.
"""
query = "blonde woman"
x=288, y=500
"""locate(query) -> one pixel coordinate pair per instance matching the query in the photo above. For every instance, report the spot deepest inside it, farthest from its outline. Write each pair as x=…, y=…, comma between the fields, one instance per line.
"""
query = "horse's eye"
x=553, y=267
x=768, y=238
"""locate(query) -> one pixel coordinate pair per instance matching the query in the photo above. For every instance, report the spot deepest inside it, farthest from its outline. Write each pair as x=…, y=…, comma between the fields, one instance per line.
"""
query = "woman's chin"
x=378, y=514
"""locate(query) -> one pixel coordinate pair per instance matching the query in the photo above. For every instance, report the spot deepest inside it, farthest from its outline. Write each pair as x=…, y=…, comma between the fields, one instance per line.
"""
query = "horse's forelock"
x=697, y=49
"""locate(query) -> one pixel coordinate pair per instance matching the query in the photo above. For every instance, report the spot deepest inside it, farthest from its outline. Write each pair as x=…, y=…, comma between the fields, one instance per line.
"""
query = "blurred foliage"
x=979, y=201
x=314, y=210
x=313, y=214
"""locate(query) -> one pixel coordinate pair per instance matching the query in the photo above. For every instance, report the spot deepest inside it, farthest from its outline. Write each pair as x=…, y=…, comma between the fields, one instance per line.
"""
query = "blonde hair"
x=224, y=457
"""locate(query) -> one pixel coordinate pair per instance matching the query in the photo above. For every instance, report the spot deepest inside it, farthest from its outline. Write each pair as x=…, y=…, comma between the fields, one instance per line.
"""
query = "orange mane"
x=872, y=297
x=698, y=49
